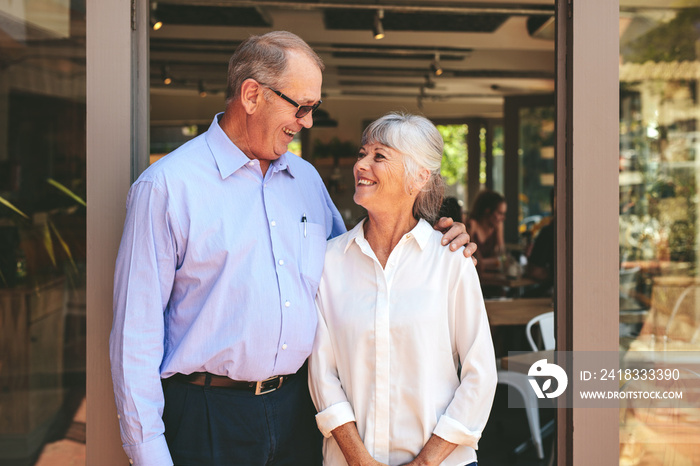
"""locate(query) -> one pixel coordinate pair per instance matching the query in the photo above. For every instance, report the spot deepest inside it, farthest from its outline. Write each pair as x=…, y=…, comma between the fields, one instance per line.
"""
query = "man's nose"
x=307, y=121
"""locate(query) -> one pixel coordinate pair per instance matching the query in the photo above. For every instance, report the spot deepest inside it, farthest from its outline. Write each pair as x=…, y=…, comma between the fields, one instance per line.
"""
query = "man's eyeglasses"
x=302, y=110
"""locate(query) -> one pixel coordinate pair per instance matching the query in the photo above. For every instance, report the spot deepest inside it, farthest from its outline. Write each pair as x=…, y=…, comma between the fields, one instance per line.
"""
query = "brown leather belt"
x=259, y=388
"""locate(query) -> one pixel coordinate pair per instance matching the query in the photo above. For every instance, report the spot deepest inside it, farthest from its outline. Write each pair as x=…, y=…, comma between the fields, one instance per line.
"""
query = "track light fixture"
x=435, y=66
x=165, y=75
x=156, y=23
x=202, y=90
x=378, y=29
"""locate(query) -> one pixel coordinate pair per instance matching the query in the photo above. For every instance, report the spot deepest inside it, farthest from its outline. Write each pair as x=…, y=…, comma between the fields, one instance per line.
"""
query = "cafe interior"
x=483, y=73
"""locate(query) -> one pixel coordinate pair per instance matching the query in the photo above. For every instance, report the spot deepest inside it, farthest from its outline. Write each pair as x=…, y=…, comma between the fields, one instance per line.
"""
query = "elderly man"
x=219, y=263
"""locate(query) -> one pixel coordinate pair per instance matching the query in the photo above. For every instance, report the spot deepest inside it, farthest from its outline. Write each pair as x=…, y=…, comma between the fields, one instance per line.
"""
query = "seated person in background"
x=485, y=226
x=540, y=259
x=540, y=263
x=450, y=208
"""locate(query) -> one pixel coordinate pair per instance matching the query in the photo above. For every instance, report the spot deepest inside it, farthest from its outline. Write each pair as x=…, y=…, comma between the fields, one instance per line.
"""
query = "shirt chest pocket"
x=313, y=250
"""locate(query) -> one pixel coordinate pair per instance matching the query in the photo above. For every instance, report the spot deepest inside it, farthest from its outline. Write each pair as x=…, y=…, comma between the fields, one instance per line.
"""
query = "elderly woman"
x=402, y=370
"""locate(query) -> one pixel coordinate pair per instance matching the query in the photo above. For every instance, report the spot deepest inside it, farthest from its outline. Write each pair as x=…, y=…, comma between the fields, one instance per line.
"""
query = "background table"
x=500, y=279
x=516, y=311
x=522, y=362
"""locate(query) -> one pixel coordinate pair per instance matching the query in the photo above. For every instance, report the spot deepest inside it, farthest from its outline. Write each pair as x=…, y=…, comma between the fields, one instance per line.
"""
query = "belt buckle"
x=268, y=385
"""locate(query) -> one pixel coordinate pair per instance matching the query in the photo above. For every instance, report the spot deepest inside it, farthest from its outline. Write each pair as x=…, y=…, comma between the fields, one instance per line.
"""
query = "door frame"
x=117, y=150
x=586, y=224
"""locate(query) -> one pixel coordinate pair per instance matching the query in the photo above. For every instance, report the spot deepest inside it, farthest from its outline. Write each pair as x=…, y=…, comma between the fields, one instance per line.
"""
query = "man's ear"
x=251, y=93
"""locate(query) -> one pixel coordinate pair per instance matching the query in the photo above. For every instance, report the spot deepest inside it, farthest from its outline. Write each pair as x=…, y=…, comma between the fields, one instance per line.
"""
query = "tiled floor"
x=62, y=453
x=70, y=449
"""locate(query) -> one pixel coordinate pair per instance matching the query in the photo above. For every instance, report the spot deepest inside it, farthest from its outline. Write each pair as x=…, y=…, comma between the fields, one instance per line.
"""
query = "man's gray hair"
x=421, y=145
x=264, y=58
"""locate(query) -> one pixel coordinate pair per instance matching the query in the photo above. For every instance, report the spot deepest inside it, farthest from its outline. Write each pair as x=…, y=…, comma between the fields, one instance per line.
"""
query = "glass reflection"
x=42, y=231
x=659, y=174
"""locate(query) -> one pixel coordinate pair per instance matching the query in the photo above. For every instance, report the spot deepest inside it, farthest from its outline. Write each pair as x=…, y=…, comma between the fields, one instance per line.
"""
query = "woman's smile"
x=365, y=182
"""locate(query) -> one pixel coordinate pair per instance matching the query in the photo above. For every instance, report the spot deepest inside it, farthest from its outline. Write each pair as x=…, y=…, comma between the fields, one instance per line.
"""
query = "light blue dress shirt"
x=217, y=271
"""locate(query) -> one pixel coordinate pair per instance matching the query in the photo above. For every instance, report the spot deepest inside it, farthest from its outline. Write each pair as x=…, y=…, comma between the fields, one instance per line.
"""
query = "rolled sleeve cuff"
x=334, y=416
x=152, y=453
x=454, y=432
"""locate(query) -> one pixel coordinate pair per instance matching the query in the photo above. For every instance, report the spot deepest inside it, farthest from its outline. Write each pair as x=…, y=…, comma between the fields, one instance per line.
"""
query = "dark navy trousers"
x=224, y=426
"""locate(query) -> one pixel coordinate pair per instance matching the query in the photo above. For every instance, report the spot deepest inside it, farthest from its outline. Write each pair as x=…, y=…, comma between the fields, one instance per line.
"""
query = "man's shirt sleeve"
x=337, y=226
x=144, y=274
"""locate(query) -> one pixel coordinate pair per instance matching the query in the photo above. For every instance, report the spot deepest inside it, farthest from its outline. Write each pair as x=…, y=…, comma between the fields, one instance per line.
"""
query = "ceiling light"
x=165, y=75
x=435, y=65
x=378, y=29
x=202, y=90
x=156, y=23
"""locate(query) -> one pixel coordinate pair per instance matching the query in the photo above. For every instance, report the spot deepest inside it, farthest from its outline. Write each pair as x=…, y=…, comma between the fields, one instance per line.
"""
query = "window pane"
x=42, y=230
x=498, y=164
x=454, y=169
x=659, y=172
x=536, y=155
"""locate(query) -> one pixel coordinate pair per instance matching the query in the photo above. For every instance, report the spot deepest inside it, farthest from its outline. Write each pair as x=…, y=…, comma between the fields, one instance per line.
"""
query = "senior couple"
x=225, y=286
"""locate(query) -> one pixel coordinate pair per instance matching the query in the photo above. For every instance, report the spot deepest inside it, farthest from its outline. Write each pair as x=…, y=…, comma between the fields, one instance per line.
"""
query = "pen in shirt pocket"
x=303, y=220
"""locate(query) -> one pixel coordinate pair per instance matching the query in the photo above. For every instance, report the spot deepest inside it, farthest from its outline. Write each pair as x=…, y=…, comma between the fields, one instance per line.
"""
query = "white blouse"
x=389, y=343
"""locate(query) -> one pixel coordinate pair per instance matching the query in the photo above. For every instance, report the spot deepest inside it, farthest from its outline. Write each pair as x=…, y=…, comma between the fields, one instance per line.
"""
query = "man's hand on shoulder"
x=455, y=235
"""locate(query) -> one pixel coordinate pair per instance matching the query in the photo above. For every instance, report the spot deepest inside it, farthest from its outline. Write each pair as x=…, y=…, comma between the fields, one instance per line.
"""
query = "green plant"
x=42, y=229
x=454, y=159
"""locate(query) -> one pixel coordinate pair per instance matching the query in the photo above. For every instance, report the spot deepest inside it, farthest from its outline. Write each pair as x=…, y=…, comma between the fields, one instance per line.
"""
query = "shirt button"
x=131, y=461
x=273, y=223
x=281, y=262
x=287, y=304
x=251, y=163
x=284, y=346
x=119, y=416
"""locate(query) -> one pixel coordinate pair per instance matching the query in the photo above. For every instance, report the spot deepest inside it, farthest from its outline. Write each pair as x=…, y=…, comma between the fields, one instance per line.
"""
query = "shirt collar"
x=421, y=233
x=282, y=164
x=229, y=158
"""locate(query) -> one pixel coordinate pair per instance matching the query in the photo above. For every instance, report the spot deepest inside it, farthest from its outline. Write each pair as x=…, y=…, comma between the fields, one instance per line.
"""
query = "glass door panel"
x=42, y=230
x=659, y=174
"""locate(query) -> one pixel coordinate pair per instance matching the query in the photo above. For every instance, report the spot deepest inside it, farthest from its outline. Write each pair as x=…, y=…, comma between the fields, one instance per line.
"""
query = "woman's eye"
x=378, y=156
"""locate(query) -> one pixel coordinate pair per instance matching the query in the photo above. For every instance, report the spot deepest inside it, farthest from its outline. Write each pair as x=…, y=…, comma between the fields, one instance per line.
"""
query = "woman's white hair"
x=421, y=145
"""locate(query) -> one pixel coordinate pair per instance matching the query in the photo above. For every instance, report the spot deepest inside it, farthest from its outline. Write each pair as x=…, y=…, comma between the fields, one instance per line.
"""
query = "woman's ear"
x=423, y=177
x=251, y=95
